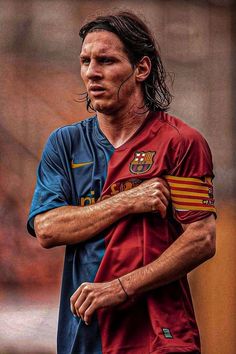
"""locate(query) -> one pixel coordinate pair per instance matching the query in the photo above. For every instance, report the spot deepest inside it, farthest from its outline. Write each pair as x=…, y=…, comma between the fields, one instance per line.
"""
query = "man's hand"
x=150, y=196
x=90, y=297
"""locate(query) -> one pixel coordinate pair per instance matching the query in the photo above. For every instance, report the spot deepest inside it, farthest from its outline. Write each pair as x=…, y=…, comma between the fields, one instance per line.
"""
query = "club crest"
x=142, y=162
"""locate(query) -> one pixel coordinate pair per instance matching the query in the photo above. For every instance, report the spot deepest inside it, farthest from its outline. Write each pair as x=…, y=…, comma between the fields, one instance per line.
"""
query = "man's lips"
x=96, y=90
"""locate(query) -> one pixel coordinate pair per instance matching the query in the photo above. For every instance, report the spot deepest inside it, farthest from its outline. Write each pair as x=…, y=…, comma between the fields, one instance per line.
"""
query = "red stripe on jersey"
x=185, y=196
x=200, y=183
x=188, y=189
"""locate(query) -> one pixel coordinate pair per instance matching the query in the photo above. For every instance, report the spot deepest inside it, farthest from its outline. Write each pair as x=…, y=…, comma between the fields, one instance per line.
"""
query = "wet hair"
x=138, y=42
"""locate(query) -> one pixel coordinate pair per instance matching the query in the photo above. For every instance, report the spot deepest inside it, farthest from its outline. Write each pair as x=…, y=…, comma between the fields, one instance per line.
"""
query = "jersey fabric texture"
x=80, y=167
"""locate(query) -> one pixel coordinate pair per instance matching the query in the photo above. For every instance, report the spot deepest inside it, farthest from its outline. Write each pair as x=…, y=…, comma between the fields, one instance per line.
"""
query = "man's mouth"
x=96, y=90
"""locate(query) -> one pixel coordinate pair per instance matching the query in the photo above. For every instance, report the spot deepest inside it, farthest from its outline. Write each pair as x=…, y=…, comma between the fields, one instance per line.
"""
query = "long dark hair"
x=138, y=42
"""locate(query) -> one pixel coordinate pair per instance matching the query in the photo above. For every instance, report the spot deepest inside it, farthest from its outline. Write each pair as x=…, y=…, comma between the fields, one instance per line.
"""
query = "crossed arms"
x=71, y=224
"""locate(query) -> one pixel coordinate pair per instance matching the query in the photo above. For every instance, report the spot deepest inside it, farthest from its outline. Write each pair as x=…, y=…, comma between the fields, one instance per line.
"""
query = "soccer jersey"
x=80, y=167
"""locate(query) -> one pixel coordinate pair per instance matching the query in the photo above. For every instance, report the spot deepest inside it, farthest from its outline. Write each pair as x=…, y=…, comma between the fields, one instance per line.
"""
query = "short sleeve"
x=52, y=187
x=191, y=179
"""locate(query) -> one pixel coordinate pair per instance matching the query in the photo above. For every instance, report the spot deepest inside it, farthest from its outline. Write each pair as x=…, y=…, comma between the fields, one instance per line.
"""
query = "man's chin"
x=103, y=108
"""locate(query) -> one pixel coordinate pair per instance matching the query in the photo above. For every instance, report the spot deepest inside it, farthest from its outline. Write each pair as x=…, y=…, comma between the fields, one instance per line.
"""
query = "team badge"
x=142, y=162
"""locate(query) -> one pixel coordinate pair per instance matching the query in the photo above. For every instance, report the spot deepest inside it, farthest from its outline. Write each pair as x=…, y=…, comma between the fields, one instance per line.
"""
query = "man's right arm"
x=69, y=225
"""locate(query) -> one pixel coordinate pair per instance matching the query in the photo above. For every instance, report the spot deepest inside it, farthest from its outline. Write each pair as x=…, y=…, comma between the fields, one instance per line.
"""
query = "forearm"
x=73, y=224
x=193, y=247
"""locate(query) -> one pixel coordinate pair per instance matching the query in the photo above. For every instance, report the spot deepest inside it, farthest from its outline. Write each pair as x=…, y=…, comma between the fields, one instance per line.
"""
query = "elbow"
x=45, y=242
x=209, y=244
x=42, y=231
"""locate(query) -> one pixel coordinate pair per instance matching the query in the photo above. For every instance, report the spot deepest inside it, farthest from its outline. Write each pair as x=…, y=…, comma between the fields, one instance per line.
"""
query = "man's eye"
x=85, y=61
x=106, y=60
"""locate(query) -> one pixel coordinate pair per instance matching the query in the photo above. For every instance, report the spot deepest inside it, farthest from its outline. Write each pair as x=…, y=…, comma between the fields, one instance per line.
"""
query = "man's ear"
x=143, y=69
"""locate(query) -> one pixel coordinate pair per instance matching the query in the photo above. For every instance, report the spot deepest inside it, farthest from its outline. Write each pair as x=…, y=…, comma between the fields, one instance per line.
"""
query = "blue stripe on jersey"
x=72, y=171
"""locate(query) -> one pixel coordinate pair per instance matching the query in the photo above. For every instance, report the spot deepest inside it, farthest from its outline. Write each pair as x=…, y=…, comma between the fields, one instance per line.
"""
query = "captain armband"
x=191, y=193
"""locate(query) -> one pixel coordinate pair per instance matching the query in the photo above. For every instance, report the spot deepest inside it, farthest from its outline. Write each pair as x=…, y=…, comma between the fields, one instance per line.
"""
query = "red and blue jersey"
x=79, y=166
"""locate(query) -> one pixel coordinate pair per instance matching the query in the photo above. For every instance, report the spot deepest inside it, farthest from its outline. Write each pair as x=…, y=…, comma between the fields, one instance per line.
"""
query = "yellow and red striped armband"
x=191, y=193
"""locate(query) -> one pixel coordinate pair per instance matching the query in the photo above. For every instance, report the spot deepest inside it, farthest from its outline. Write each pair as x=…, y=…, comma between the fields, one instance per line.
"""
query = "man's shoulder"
x=179, y=130
x=85, y=123
x=70, y=131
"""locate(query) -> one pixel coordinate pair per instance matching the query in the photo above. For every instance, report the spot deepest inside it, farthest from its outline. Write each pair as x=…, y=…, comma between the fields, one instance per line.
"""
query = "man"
x=129, y=192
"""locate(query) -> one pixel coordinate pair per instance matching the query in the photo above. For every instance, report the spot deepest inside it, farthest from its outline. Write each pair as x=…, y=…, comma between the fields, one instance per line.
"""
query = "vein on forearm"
x=73, y=224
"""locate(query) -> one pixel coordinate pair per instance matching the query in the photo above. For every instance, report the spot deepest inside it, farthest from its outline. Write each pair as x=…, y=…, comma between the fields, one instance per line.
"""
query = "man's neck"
x=120, y=127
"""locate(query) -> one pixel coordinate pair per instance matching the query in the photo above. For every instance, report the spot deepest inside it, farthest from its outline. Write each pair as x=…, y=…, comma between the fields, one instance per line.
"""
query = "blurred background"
x=40, y=83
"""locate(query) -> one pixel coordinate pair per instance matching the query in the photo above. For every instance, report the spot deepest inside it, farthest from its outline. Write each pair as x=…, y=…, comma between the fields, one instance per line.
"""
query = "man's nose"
x=93, y=70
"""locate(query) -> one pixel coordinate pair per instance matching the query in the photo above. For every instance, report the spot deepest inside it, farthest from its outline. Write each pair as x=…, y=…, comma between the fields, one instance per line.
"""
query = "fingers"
x=78, y=308
x=90, y=297
x=162, y=195
x=89, y=313
x=160, y=209
x=157, y=192
x=77, y=299
x=165, y=189
x=83, y=302
x=159, y=184
x=86, y=309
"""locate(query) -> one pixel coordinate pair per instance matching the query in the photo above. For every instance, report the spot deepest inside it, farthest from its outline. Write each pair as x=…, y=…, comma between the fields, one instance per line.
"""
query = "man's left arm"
x=193, y=247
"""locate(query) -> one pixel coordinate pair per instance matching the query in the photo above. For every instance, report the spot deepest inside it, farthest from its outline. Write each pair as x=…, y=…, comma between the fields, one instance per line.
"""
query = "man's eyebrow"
x=104, y=54
x=100, y=55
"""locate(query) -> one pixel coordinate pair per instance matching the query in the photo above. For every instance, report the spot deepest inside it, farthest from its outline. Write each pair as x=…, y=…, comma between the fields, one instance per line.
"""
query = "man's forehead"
x=102, y=42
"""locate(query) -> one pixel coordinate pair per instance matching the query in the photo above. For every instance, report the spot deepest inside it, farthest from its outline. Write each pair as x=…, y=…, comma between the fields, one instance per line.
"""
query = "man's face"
x=107, y=72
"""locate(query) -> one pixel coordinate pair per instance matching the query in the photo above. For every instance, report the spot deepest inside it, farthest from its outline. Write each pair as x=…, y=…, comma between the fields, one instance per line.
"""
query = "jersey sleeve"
x=190, y=181
x=52, y=187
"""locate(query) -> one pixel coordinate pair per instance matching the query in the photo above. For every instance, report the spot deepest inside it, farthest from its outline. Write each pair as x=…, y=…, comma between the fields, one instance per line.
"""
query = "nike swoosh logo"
x=77, y=165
